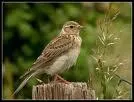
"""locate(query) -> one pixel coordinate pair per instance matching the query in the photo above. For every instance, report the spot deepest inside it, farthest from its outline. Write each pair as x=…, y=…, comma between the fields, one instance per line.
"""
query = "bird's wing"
x=53, y=49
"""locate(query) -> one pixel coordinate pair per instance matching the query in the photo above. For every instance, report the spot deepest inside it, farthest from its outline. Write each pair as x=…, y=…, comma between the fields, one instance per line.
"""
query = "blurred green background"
x=29, y=27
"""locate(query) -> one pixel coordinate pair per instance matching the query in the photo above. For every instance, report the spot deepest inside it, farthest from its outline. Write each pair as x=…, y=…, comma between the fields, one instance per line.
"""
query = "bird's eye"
x=71, y=26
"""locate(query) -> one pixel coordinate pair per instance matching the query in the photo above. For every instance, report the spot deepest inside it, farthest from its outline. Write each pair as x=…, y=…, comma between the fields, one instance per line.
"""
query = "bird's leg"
x=56, y=77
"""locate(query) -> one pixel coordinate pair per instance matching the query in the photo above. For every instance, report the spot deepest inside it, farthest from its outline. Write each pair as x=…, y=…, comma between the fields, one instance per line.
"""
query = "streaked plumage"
x=59, y=55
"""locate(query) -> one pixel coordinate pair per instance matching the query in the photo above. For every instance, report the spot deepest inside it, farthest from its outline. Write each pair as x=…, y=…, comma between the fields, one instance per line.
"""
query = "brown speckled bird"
x=59, y=55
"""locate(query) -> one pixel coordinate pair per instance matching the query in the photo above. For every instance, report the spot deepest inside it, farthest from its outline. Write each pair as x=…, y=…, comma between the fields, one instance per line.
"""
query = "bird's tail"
x=26, y=80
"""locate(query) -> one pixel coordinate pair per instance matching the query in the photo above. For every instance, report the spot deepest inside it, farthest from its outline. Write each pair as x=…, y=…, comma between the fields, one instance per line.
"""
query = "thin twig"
x=121, y=79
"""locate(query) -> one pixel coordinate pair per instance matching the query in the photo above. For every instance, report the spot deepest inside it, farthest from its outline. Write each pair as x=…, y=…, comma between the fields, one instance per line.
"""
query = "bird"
x=58, y=55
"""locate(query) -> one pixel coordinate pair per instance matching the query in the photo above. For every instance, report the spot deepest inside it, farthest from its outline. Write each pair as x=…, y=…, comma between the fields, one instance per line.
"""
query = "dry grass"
x=108, y=62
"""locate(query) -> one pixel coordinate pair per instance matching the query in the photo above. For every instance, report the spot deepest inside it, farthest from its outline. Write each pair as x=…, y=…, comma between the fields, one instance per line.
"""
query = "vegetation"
x=108, y=59
x=105, y=57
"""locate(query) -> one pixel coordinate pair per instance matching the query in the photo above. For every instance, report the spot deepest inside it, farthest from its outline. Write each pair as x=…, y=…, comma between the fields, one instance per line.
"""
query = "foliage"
x=28, y=28
x=107, y=61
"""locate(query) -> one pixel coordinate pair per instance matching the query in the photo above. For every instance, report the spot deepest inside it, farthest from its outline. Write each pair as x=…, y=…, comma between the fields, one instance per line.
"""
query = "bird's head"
x=71, y=27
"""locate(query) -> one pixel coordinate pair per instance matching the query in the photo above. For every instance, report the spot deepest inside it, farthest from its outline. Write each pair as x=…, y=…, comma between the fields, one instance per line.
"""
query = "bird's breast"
x=78, y=41
x=64, y=62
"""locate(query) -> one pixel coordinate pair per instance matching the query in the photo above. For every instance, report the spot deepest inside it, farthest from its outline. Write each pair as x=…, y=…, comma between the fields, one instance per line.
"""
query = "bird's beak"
x=80, y=27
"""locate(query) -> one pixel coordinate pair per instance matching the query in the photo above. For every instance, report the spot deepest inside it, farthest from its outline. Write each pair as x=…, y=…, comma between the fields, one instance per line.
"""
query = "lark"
x=58, y=56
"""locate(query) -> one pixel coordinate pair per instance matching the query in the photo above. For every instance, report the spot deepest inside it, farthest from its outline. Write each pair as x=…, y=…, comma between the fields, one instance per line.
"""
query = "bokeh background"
x=29, y=27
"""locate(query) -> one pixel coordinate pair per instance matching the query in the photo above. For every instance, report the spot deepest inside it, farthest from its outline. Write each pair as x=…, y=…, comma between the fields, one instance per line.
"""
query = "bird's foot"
x=58, y=78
